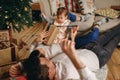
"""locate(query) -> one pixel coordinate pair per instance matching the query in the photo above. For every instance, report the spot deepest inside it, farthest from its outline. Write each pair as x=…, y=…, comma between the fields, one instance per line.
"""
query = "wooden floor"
x=114, y=66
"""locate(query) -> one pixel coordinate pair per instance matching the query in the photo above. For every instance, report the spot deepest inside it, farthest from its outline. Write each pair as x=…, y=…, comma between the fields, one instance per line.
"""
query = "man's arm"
x=68, y=47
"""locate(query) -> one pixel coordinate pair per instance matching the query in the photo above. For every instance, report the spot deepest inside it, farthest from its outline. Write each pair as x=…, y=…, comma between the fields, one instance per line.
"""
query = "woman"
x=85, y=62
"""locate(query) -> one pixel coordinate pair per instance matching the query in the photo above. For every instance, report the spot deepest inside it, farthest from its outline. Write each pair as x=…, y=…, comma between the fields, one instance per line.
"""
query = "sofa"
x=49, y=7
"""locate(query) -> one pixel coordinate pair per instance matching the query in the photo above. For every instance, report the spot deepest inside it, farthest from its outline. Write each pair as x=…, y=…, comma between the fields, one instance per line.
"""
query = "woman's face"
x=50, y=65
x=61, y=18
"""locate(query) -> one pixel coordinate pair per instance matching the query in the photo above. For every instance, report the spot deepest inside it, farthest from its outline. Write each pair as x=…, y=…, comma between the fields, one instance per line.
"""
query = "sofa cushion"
x=68, y=4
x=74, y=6
x=107, y=12
x=106, y=26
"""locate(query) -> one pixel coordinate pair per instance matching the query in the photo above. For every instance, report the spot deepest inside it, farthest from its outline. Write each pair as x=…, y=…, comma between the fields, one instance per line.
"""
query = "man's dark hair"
x=33, y=69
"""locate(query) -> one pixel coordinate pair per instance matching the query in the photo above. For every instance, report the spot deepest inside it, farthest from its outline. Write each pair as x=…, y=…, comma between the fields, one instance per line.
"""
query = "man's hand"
x=41, y=37
x=14, y=70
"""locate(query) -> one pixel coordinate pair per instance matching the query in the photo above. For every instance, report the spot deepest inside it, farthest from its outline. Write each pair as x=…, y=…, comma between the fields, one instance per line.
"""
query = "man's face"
x=61, y=18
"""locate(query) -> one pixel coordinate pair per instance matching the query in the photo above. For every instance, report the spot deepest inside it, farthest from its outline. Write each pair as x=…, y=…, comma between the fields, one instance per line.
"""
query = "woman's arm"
x=68, y=47
x=39, y=39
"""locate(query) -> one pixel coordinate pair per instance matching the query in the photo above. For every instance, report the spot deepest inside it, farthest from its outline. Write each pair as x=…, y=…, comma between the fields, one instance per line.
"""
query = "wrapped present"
x=8, y=55
x=53, y=31
x=4, y=39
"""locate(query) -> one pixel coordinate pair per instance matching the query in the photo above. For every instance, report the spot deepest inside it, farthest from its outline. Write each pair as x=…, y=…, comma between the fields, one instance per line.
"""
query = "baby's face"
x=61, y=18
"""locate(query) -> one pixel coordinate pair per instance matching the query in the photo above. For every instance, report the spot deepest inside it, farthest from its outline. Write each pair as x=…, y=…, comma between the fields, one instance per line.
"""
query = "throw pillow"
x=68, y=4
x=71, y=5
x=85, y=6
x=74, y=6
x=107, y=12
x=54, y=5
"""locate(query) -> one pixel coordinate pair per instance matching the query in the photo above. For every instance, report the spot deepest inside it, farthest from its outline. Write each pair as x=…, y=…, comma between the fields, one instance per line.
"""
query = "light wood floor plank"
x=114, y=66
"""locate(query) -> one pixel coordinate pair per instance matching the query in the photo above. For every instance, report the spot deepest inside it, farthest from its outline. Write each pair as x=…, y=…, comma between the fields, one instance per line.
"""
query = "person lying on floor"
x=79, y=64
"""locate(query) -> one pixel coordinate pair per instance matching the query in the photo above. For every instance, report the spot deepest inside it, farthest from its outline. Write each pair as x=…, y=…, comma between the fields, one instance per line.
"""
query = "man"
x=79, y=64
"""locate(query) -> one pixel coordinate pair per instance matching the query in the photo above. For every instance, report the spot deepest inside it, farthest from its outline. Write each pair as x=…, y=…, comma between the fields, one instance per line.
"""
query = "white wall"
x=106, y=3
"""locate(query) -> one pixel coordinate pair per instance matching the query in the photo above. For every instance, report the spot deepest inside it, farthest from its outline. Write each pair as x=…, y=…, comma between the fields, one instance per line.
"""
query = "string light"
x=25, y=8
x=15, y=14
x=6, y=17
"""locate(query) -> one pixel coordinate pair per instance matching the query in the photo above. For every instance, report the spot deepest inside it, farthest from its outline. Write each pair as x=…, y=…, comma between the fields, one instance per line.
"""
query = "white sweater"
x=64, y=67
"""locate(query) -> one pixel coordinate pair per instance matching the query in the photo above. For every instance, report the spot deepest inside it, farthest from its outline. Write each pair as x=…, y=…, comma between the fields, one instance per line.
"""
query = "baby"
x=62, y=21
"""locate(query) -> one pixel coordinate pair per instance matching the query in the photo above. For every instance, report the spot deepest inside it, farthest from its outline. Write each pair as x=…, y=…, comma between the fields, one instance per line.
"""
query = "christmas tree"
x=15, y=13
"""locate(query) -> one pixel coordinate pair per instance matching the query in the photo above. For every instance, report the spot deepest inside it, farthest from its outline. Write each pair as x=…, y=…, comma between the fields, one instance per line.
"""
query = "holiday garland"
x=15, y=13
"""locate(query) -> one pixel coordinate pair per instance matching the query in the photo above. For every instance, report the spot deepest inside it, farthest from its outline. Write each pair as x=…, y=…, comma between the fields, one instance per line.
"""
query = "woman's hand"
x=68, y=47
x=73, y=33
x=41, y=37
x=14, y=70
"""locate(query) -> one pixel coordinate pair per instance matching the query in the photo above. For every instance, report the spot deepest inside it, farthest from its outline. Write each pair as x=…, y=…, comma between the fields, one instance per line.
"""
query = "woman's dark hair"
x=33, y=69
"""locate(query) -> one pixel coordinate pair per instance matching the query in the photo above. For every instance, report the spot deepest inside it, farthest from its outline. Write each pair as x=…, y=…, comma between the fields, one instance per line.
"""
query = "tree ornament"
x=27, y=22
x=16, y=25
x=25, y=8
x=6, y=11
x=19, y=15
x=24, y=18
x=17, y=9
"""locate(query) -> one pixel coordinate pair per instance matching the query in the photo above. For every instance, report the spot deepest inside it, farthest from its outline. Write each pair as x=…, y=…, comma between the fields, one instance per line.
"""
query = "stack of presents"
x=8, y=51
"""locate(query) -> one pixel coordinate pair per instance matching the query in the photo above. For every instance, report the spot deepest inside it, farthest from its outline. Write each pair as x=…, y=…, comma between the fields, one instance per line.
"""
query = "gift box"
x=53, y=31
x=8, y=55
x=4, y=39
